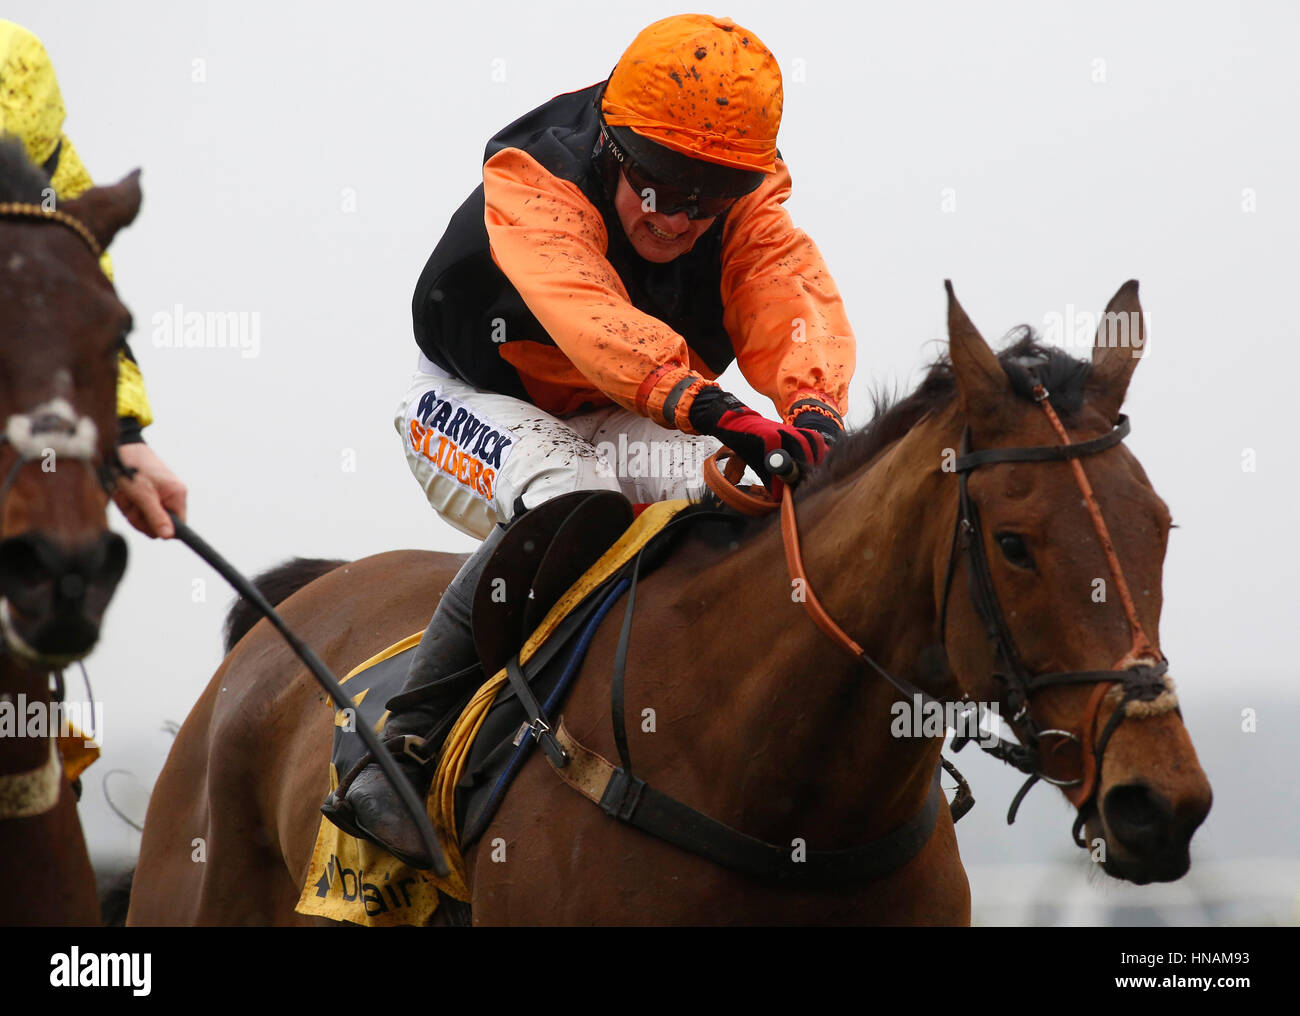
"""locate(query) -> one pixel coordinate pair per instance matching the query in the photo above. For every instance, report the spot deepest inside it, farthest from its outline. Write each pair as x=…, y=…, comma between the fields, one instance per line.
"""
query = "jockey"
x=627, y=244
x=31, y=109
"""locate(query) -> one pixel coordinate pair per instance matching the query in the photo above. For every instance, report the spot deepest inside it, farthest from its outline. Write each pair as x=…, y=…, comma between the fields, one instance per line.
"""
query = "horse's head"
x=1057, y=574
x=61, y=327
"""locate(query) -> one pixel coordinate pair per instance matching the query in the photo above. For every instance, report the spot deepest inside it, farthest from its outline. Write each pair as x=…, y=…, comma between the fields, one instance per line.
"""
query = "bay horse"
x=61, y=325
x=761, y=721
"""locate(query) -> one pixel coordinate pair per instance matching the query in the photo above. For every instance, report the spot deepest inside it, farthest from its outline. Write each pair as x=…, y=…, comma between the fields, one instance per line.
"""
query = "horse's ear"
x=105, y=210
x=982, y=385
x=1120, y=341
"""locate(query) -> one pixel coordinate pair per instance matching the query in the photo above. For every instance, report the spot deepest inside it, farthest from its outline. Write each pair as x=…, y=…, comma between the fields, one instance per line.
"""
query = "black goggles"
x=666, y=199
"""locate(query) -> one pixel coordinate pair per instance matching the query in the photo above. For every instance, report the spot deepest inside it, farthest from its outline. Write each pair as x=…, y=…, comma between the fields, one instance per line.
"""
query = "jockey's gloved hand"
x=721, y=415
x=810, y=419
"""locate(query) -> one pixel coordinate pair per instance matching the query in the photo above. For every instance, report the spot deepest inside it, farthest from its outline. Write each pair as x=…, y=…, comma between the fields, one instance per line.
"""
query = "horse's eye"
x=1014, y=549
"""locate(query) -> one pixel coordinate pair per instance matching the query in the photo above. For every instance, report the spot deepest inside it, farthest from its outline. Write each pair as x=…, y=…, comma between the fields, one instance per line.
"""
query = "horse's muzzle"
x=1148, y=839
x=52, y=598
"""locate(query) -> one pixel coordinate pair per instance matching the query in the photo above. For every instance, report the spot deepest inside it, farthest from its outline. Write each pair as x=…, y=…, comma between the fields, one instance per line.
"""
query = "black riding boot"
x=443, y=669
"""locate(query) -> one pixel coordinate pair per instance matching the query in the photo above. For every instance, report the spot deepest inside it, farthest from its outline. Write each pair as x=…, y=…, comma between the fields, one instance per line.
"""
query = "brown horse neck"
x=815, y=756
x=875, y=545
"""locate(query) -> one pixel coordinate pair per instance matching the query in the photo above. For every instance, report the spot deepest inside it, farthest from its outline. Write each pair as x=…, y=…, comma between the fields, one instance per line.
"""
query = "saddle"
x=540, y=563
x=544, y=552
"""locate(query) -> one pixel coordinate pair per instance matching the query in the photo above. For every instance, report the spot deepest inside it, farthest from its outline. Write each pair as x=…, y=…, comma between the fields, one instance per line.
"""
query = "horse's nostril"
x=22, y=561
x=1138, y=816
x=38, y=574
x=114, y=557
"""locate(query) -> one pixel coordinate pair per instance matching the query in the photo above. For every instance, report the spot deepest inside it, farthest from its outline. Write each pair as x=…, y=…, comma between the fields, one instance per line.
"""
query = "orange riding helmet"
x=696, y=101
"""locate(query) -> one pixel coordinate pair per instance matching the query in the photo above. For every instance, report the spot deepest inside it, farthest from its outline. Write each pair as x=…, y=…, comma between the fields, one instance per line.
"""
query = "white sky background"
x=1064, y=186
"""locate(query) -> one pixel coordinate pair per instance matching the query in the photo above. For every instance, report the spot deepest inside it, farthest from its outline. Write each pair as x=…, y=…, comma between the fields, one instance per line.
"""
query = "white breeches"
x=476, y=453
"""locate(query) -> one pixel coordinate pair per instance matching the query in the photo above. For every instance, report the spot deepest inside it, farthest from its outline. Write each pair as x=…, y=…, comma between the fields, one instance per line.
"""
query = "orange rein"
x=725, y=483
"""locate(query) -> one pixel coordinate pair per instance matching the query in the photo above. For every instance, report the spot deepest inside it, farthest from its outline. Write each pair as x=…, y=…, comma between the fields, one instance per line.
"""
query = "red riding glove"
x=751, y=436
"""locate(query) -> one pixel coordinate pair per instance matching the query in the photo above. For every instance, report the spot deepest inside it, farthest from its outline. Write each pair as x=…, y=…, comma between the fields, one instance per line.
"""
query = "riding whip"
x=327, y=681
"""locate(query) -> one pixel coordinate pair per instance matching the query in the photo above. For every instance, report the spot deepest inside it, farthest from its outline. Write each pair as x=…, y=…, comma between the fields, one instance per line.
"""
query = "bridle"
x=51, y=428
x=54, y=427
x=1141, y=674
x=27, y=210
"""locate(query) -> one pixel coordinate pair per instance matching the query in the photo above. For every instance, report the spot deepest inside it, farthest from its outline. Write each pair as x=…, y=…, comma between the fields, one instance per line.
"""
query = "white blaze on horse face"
x=74, y=437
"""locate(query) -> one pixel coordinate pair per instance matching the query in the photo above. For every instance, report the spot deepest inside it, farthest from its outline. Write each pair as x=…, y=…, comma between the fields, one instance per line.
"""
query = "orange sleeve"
x=550, y=242
x=783, y=311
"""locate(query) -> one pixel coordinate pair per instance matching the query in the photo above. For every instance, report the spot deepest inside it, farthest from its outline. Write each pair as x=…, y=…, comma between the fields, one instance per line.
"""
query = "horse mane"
x=20, y=178
x=1064, y=376
x=277, y=585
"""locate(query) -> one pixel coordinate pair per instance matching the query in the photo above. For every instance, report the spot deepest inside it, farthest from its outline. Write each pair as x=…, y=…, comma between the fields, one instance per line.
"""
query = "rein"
x=1145, y=689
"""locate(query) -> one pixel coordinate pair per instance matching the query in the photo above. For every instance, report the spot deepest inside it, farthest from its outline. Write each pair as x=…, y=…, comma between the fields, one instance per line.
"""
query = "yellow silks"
x=31, y=109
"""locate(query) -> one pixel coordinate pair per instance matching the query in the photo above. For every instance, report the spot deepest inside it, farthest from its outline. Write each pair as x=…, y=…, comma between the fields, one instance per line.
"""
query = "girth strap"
x=633, y=801
x=538, y=727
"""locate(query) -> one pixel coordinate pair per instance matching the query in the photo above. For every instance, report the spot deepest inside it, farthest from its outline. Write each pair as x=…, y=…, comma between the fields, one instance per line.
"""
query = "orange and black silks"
x=535, y=291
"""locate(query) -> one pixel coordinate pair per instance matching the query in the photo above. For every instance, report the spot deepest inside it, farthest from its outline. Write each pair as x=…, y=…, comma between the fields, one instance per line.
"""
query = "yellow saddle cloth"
x=355, y=881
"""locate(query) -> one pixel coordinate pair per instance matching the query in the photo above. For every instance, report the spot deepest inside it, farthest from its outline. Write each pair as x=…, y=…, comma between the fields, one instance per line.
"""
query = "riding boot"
x=443, y=667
